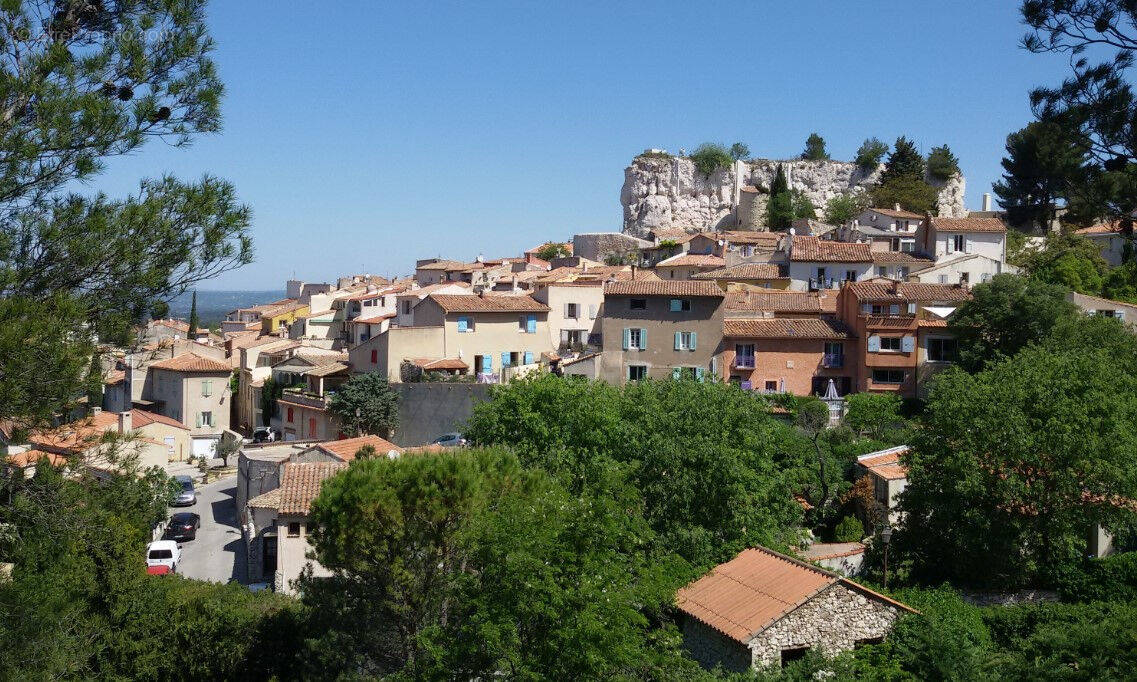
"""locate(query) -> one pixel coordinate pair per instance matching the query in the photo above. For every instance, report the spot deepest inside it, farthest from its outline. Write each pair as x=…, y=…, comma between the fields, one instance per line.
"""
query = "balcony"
x=816, y=284
x=833, y=361
x=744, y=361
x=305, y=398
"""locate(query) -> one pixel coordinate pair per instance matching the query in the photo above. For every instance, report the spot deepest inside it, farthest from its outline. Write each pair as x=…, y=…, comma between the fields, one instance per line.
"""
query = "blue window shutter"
x=463, y=324
x=693, y=338
x=698, y=374
x=627, y=338
x=505, y=359
x=908, y=344
x=678, y=339
x=894, y=309
x=874, y=344
x=529, y=357
x=643, y=339
x=487, y=363
x=531, y=324
x=676, y=372
x=676, y=305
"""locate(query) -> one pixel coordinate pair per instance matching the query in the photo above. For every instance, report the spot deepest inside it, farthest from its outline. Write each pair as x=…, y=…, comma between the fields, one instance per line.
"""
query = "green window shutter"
x=698, y=374
x=643, y=339
x=678, y=339
x=198, y=420
x=693, y=340
x=627, y=338
x=676, y=372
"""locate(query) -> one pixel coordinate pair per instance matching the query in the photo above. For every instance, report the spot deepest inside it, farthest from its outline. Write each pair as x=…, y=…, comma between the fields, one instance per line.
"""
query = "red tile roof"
x=140, y=418
x=705, y=260
x=770, y=239
x=812, y=249
x=754, y=590
x=345, y=449
x=192, y=362
x=900, y=257
x=744, y=271
x=779, y=302
x=831, y=550
x=879, y=289
x=968, y=225
x=1100, y=229
x=373, y=320
x=300, y=484
x=443, y=265
x=444, y=363
x=32, y=456
x=786, y=328
x=893, y=213
x=471, y=303
x=672, y=287
x=886, y=463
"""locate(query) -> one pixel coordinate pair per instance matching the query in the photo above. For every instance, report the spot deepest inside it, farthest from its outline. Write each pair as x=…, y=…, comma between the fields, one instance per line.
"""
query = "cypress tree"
x=815, y=148
x=780, y=210
x=193, y=319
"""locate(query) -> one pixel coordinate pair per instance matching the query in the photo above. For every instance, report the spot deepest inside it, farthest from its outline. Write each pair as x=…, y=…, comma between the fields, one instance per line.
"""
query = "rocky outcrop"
x=668, y=192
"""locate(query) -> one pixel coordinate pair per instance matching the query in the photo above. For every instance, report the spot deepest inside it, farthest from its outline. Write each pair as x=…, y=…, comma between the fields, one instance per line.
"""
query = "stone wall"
x=831, y=622
x=669, y=192
x=598, y=246
x=428, y=410
x=711, y=648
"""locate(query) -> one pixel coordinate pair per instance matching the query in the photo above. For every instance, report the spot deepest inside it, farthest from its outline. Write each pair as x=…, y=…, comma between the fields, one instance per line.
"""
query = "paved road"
x=218, y=553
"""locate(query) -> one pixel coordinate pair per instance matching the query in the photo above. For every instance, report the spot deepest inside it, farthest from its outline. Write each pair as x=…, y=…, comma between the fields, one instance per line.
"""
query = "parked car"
x=158, y=570
x=183, y=526
x=188, y=496
x=450, y=440
x=163, y=553
x=263, y=434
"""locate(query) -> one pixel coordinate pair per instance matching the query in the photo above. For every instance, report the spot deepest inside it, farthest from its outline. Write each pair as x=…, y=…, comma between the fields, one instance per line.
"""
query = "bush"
x=709, y=157
x=1113, y=577
x=848, y=530
x=843, y=208
x=871, y=153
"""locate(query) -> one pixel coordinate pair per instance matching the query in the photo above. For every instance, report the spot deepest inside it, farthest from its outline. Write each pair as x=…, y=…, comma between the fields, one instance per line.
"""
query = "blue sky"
x=367, y=134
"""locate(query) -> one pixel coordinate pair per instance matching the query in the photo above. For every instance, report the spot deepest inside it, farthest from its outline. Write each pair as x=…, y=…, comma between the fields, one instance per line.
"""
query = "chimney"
x=633, y=271
x=896, y=207
x=986, y=201
x=125, y=422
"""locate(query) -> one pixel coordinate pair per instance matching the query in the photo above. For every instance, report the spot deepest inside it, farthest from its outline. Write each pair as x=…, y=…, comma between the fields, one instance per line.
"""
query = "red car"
x=158, y=570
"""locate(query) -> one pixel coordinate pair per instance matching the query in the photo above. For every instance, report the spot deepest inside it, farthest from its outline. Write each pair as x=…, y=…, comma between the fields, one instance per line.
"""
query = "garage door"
x=204, y=446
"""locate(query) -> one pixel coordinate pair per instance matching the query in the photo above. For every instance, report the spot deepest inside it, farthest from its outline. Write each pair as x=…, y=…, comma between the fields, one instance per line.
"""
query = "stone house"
x=756, y=275
x=660, y=329
x=574, y=312
x=686, y=265
x=818, y=264
x=1109, y=240
x=889, y=476
x=1093, y=305
x=894, y=220
x=763, y=608
x=947, y=237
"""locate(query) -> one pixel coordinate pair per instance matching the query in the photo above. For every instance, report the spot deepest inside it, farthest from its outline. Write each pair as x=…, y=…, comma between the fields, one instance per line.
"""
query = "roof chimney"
x=125, y=422
x=633, y=271
x=896, y=207
x=986, y=201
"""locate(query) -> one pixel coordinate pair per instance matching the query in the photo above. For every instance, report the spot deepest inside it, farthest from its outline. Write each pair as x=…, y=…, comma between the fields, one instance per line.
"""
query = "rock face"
x=669, y=192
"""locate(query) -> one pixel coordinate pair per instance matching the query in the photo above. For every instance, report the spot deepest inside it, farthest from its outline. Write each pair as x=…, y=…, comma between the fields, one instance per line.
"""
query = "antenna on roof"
x=481, y=258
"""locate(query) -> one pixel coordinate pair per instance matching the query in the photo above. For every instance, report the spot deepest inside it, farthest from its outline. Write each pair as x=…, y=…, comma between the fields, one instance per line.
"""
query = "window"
x=888, y=376
x=959, y=243
x=882, y=271
x=745, y=251
x=821, y=274
x=772, y=386
x=744, y=355
x=465, y=324
x=406, y=307
x=680, y=305
x=902, y=272
x=943, y=279
x=850, y=275
x=907, y=245
x=834, y=354
x=890, y=343
x=635, y=338
x=572, y=310
x=374, y=356
x=527, y=324
x=685, y=341
x=637, y=304
x=293, y=529
x=207, y=419
x=290, y=414
x=941, y=350
x=637, y=372
x=206, y=388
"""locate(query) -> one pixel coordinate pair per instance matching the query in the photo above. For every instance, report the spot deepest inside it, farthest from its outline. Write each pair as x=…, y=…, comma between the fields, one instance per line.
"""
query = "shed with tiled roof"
x=762, y=607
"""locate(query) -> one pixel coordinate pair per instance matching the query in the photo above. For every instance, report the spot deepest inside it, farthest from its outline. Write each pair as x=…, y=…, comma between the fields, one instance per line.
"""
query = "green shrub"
x=942, y=164
x=848, y=530
x=871, y=153
x=1111, y=578
x=709, y=157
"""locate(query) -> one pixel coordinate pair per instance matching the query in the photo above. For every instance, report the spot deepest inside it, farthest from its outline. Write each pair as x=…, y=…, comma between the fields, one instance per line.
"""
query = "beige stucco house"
x=193, y=390
x=574, y=313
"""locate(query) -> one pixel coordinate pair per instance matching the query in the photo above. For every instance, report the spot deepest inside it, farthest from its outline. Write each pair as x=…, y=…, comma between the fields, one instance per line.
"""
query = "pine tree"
x=193, y=319
x=1040, y=164
x=942, y=164
x=815, y=148
x=904, y=160
x=780, y=209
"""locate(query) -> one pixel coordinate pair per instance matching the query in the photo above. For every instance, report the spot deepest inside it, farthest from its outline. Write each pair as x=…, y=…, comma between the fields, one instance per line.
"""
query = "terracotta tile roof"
x=328, y=370
x=879, y=289
x=192, y=362
x=300, y=484
x=968, y=225
x=373, y=320
x=778, y=302
x=673, y=287
x=893, y=213
x=471, y=303
x=269, y=500
x=344, y=450
x=883, y=322
x=444, y=363
x=140, y=418
x=812, y=249
x=179, y=325
x=831, y=550
x=115, y=376
x=29, y=457
x=443, y=265
x=78, y=435
x=744, y=271
x=1100, y=229
x=770, y=239
x=899, y=257
x=886, y=463
x=786, y=328
x=755, y=589
x=705, y=260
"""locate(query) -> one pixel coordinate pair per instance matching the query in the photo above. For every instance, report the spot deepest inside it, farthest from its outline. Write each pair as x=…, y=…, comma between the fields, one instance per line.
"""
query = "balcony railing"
x=816, y=284
x=833, y=361
x=744, y=361
x=305, y=398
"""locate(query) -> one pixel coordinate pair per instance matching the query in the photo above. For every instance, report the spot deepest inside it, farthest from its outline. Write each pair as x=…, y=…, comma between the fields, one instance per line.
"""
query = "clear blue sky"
x=367, y=134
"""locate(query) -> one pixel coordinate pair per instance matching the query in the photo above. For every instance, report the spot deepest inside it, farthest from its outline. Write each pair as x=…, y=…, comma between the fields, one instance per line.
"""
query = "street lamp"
x=886, y=536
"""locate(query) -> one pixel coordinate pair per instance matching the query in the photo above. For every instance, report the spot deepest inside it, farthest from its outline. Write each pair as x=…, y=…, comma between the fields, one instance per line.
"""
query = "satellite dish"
x=792, y=231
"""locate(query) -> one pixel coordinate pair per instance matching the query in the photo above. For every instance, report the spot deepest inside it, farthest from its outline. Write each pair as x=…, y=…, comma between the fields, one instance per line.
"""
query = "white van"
x=164, y=553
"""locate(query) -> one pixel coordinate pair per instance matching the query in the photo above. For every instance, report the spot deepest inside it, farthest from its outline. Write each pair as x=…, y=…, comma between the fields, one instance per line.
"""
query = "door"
x=204, y=447
x=269, y=558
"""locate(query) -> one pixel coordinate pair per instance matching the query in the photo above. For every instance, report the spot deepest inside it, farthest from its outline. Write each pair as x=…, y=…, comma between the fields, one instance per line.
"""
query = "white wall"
x=800, y=272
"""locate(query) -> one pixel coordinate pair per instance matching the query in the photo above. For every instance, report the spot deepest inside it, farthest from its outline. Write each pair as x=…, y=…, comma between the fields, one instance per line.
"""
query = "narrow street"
x=217, y=554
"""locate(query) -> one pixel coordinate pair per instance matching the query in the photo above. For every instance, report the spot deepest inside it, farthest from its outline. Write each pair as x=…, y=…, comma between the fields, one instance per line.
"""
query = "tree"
x=873, y=414
x=193, y=319
x=815, y=148
x=904, y=162
x=1068, y=260
x=709, y=157
x=552, y=250
x=780, y=208
x=1006, y=315
x=803, y=206
x=1041, y=164
x=366, y=404
x=870, y=154
x=82, y=85
x=739, y=151
x=1095, y=106
x=942, y=164
x=1015, y=463
x=911, y=192
x=812, y=418
x=843, y=208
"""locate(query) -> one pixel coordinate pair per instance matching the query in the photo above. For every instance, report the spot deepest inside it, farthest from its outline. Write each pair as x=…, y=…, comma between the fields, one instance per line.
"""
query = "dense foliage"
x=942, y=164
x=870, y=154
x=780, y=208
x=815, y=148
x=902, y=180
x=1041, y=164
x=366, y=404
x=739, y=151
x=843, y=208
x=709, y=157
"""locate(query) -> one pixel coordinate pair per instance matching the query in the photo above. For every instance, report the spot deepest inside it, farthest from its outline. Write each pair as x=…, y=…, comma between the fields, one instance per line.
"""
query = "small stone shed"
x=763, y=608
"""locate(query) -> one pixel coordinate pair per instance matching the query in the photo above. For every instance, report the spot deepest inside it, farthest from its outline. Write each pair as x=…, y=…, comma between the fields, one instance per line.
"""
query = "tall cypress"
x=780, y=209
x=193, y=320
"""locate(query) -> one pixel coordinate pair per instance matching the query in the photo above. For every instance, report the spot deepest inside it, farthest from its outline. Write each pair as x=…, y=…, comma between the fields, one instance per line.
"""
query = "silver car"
x=450, y=440
x=187, y=497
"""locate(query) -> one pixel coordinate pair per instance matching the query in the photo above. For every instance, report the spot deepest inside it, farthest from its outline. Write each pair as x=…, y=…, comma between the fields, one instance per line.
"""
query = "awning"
x=942, y=311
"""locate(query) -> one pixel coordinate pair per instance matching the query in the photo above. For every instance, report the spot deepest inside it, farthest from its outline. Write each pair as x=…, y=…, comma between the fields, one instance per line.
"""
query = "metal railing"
x=744, y=361
x=833, y=360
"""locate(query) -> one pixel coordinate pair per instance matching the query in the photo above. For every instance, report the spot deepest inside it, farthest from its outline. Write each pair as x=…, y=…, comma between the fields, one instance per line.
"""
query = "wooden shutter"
x=564, y=335
x=911, y=308
x=592, y=311
x=199, y=418
x=487, y=363
x=678, y=340
x=908, y=344
x=463, y=324
x=676, y=305
x=627, y=338
x=698, y=373
x=529, y=357
x=505, y=359
x=531, y=324
x=643, y=339
x=874, y=344
x=694, y=336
